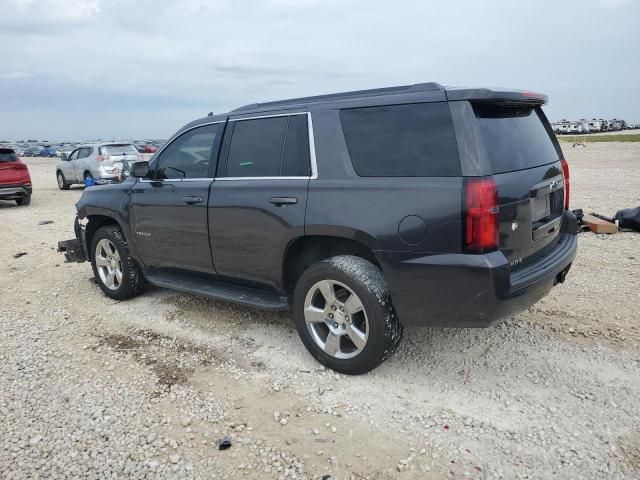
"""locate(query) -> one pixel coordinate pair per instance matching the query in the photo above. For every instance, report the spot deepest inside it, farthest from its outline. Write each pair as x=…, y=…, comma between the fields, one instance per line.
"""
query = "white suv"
x=95, y=160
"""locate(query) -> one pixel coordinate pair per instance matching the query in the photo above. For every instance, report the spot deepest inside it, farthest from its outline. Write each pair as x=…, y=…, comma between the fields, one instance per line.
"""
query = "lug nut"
x=333, y=307
x=335, y=324
x=331, y=315
x=346, y=317
x=344, y=326
x=342, y=309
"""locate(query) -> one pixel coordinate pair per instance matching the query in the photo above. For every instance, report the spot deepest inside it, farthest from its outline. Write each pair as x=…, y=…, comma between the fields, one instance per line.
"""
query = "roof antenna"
x=210, y=114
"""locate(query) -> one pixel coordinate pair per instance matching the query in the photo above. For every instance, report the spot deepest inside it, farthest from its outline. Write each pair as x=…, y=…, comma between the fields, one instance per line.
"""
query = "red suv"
x=15, y=181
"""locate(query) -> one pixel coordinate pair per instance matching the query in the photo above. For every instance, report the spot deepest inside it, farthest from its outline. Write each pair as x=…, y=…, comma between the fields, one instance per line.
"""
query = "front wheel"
x=343, y=312
x=62, y=183
x=115, y=271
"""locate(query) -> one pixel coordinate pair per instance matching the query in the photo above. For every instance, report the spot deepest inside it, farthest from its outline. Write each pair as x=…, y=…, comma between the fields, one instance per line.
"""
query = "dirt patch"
x=169, y=375
x=630, y=448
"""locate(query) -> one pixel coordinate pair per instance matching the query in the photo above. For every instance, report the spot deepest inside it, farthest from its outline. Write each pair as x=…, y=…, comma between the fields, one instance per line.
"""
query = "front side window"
x=189, y=155
x=74, y=155
x=269, y=147
x=410, y=140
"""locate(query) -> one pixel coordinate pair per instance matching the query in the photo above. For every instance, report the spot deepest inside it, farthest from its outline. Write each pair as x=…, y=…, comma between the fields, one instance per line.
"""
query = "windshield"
x=118, y=149
x=515, y=137
x=7, y=155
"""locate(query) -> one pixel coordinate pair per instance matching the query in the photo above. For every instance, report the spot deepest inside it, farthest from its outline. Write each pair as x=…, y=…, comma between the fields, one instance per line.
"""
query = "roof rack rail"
x=415, y=88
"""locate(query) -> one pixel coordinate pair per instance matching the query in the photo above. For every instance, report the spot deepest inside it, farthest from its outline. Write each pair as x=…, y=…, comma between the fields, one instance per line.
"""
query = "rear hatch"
x=525, y=161
x=113, y=155
x=12, y=172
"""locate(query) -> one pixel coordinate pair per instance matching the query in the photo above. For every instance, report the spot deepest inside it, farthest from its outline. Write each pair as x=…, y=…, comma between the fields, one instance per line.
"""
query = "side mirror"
x=63, y=157
x=140, y=169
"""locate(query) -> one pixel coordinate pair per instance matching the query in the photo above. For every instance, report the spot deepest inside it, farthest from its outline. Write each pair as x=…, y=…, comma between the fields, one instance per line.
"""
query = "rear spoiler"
x=506, y=97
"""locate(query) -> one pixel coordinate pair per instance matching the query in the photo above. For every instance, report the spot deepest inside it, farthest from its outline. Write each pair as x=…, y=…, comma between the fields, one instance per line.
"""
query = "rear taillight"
x=565, y=172
x=481, y=218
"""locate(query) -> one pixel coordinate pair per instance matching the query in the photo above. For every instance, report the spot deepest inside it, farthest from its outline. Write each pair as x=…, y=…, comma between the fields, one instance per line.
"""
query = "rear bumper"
x=14, y=191
x=457, y=290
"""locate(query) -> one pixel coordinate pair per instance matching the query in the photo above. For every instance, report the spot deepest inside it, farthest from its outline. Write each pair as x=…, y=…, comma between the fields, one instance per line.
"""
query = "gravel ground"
x=146, y=388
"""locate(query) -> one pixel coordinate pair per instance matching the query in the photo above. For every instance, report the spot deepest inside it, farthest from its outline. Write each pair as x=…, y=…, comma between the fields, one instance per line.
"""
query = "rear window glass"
x=7, y=155
x=515, y=137
x=413, y=140
x=119, y=149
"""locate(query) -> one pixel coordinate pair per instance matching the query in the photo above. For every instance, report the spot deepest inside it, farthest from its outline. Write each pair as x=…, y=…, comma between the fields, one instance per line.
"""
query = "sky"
x=83, y=69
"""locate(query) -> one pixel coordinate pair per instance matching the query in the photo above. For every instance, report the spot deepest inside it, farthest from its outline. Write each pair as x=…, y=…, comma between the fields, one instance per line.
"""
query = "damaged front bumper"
x=74, y=250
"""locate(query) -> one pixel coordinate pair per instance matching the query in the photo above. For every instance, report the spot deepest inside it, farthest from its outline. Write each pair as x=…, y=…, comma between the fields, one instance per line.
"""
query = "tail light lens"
x=481, y=222
x=565, y=172
x=24, y=177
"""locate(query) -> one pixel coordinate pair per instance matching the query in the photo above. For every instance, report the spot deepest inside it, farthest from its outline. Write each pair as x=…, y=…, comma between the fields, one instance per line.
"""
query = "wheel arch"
x=95, y=222
x=306, y=250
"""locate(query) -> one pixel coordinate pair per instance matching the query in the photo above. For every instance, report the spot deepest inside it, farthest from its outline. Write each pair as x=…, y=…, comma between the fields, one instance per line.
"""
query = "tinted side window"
x=74, y=155
x=256, y=147
x=295, y=157
x=84, y=152
x=413, y=140
x=189, y=155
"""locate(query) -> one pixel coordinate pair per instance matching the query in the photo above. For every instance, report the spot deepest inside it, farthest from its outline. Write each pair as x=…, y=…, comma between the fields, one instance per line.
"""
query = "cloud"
x=14, y=75
x=146, y=57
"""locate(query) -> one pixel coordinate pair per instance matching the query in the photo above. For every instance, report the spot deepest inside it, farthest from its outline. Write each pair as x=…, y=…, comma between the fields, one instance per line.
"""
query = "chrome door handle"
x=192, y=200
x=282, y=201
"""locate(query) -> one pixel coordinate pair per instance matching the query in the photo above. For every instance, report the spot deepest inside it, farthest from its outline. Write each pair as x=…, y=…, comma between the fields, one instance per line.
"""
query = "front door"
x=170, y=208
x=259, y=197
x=68, y=166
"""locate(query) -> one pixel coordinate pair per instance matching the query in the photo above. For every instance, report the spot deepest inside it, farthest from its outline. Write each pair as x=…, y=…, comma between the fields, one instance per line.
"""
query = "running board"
x=218, y=290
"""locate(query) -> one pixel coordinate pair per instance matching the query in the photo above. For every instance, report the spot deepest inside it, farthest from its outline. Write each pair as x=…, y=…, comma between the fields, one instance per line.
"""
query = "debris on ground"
x=628, y=218
x=45, y=222
x=598, y=225
x=224, y=443
x=19, y=254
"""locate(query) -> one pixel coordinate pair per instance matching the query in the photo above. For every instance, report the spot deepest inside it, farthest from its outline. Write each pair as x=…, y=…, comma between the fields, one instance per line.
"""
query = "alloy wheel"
x=336, y=319
x=108, y=264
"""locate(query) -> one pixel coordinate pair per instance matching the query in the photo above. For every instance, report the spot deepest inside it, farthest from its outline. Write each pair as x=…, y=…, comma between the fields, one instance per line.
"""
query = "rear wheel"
x=343, y=313
x=24, y=201
x=116, y=272
x=62, y=183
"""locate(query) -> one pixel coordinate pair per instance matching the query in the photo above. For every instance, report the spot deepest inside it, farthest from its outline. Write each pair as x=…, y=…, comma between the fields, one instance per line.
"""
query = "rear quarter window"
x=516, y=137
x=412, y=140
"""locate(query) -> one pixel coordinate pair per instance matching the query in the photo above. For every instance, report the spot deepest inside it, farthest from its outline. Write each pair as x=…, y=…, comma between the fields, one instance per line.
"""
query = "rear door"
x=259, y=197
x=170, y=208
x=524, y=158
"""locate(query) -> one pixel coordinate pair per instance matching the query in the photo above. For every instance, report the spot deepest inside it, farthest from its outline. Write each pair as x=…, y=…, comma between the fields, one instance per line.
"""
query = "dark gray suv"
x=359, y=212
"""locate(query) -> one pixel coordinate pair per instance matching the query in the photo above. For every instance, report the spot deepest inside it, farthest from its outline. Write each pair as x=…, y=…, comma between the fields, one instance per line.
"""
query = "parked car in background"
x=359, y=212
x=94, y=160
x=146, y=148
x=47, y=152
x=31, y=152
x=15, y=181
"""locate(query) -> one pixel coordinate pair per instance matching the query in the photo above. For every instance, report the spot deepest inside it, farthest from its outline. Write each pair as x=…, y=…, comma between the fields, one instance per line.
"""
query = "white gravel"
x=91, y=388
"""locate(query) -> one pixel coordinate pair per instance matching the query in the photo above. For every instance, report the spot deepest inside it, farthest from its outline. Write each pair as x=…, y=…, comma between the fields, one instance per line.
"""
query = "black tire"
x=367, y=282
x=24, y=201
x=62, y=183
x=133, y=282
